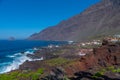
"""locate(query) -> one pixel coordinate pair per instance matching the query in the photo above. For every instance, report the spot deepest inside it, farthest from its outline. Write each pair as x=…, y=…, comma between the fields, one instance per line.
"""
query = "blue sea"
x=11, y=52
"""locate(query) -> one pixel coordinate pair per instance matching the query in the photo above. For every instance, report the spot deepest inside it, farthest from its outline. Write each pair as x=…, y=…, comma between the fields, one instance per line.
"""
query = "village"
x=87, y=47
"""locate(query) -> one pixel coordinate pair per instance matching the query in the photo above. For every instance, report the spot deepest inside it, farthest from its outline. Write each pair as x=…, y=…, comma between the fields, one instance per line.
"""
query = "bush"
x=98, y=74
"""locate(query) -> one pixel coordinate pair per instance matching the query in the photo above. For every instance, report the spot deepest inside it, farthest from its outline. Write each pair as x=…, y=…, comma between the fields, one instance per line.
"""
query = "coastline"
x=15, y=58
x=67, y=60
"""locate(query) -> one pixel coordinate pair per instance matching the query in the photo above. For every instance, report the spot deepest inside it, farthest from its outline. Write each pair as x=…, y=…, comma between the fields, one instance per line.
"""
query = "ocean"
x=11, y=52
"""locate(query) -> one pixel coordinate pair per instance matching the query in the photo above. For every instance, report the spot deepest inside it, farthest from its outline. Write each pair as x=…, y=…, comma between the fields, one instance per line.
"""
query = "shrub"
x=98, y=74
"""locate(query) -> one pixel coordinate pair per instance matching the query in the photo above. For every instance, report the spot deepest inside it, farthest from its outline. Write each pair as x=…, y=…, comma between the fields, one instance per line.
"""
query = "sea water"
x=14, y=53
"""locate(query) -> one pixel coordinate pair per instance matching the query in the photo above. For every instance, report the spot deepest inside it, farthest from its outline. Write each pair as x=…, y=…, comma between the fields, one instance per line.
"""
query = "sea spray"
x=14, y=53
x=19, y=59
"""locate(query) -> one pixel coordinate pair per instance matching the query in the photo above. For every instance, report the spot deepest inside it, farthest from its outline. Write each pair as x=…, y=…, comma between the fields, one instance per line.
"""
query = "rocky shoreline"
x=73, y=62
x=104, y=56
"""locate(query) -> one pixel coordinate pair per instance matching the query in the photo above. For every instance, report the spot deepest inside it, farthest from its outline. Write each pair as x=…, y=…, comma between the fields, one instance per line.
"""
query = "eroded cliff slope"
x=100, y=19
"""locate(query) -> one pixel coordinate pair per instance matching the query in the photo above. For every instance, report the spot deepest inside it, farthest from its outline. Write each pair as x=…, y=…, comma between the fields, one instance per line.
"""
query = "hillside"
x=100, y=19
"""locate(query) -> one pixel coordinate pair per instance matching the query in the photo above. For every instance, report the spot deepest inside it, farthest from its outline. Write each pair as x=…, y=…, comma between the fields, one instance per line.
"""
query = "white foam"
x=14, y=55
x=35, y=49
x=17, y=54
x=30, y=51
x=17, y=62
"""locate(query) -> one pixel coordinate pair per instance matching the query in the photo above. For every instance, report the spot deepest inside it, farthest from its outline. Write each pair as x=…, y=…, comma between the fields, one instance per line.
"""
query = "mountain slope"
x=100, y=19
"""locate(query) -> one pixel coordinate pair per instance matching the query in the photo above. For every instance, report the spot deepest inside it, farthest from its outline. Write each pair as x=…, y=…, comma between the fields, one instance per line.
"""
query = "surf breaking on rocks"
x=17, y=60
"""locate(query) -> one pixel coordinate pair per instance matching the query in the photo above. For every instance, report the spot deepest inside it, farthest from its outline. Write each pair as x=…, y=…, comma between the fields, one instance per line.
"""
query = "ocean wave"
x=30, y=51
x=15, y=64
x=14, y=55
x=19, y=59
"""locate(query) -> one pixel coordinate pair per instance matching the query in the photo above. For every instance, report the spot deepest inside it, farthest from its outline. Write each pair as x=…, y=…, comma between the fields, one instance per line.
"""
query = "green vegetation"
x=11, y=76
x=16, y=75
x=57, y=61
x=98, y=74
x=103, y=71
x=89, y=46
x=116, y=70
x=110, y=68
x=113, y=69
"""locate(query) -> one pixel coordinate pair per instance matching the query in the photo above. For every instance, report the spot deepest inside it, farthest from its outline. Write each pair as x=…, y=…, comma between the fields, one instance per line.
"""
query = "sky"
x=21, y=18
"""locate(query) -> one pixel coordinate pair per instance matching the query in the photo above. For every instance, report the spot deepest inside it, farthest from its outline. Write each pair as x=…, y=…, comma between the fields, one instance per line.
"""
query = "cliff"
x=98, y=20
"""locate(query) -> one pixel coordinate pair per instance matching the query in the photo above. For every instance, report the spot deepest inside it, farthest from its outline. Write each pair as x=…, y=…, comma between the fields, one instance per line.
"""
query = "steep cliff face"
x=102, y=18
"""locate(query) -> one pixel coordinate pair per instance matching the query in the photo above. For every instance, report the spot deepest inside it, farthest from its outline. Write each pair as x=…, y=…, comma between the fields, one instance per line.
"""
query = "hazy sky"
x=21, y=18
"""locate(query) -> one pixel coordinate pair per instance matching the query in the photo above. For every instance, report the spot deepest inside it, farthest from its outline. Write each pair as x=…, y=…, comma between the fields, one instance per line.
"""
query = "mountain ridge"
x=99, y=19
